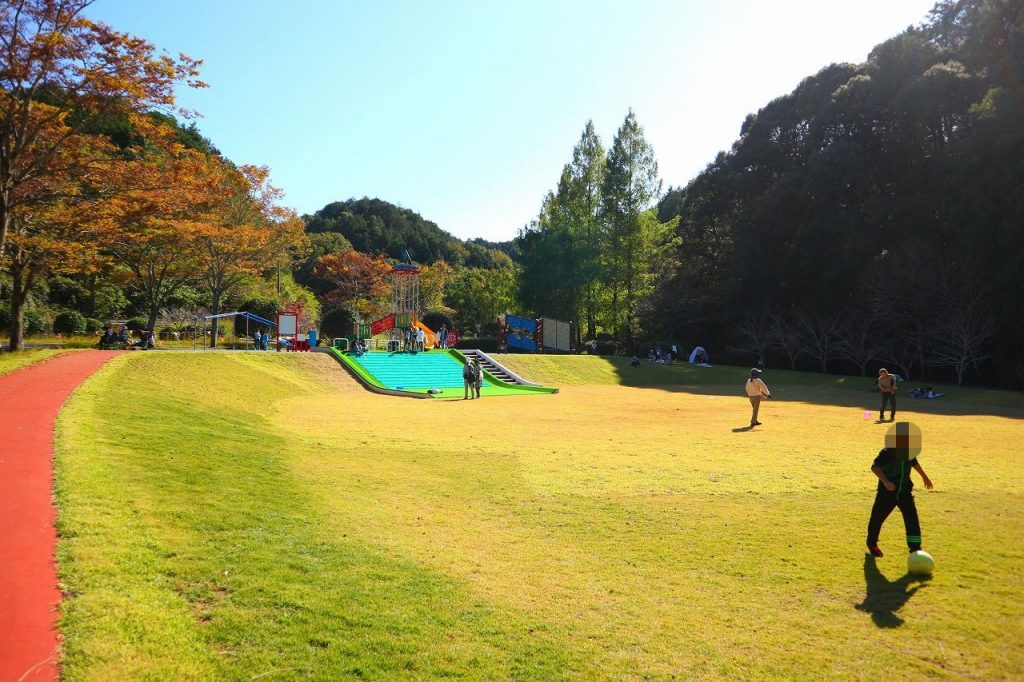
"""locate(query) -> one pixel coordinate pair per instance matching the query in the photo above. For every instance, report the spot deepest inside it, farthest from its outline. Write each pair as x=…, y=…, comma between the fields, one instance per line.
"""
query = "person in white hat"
x=756, y=391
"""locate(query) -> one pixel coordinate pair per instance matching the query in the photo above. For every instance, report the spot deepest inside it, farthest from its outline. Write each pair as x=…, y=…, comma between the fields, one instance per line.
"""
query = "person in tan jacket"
x=887, y=385
x=756, y=391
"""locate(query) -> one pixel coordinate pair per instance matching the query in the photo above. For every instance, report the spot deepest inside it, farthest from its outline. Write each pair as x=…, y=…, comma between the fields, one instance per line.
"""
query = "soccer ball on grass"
x=920, y=563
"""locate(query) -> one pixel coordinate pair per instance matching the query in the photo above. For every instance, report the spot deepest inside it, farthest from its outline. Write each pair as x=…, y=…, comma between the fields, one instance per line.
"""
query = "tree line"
x=594, y=253
x=885, y=193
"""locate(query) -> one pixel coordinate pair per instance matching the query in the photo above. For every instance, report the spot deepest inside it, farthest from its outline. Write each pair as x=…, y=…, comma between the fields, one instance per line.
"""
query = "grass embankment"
x=12, y=361
x=232, y=516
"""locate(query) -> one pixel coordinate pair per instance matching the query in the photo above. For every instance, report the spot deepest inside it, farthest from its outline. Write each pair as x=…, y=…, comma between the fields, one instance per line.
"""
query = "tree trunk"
x=154, y=312
x=214, y=310
x=21, y=282
x=5, y=217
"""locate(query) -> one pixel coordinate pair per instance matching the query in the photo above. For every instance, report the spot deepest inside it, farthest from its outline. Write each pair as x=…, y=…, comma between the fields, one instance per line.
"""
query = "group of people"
x=410, y=340
x=260, y=340
x=658, y=356
x=892, y=466
x=663, y=357
x=472, y=378
x=122, y=338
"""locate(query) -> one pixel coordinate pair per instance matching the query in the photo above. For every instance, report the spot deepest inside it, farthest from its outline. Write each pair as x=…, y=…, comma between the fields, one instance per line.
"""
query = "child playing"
x=895, y=486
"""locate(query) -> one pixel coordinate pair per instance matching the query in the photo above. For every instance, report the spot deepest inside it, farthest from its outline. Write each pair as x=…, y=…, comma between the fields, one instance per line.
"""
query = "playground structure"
x=543, y=334
x=415, y=374
x=404, y=315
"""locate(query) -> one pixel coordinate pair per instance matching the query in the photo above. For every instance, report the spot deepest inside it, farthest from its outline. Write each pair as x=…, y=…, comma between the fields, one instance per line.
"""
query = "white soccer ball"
x=920, y=563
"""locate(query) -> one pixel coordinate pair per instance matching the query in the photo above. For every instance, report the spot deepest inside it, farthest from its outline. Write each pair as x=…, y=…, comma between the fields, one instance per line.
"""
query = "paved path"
x=29, y=401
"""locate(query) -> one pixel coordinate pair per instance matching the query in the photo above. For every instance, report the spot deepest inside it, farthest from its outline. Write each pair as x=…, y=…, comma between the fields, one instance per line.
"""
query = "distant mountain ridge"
x=377, y=226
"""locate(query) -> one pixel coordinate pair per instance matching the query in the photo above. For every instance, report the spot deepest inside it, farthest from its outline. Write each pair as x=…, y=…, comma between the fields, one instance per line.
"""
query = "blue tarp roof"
x=243, y=313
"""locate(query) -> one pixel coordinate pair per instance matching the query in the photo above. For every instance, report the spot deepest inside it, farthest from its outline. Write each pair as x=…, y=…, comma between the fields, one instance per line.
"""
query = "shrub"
x=434, y=319
x=337, y=322
x=70, y=322
x=138, y=323
x=488, y=344
x=35, y=323
x=92, y=325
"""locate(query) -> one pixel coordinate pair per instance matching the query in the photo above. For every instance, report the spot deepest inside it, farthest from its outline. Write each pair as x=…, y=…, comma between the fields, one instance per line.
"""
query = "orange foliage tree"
x=54, y=230
x=155, y=225
x=59, y=73
x=360, y=282
x=244, y=234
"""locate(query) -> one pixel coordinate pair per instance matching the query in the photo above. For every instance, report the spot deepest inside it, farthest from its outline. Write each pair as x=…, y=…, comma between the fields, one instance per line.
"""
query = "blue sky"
x=465, y=112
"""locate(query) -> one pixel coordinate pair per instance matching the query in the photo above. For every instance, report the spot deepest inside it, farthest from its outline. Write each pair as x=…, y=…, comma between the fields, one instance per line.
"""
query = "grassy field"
x=251, y=516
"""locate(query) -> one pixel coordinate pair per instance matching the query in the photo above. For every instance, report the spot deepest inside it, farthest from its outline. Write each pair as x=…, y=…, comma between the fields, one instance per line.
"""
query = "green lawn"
x=260, y=516
x=12, y=361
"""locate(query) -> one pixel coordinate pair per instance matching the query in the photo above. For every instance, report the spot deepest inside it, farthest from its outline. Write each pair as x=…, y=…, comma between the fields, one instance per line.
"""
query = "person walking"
x=887, y=385
x=756, y=391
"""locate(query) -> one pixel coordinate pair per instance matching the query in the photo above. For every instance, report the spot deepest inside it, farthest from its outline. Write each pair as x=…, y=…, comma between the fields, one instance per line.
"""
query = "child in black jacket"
x=895, y=487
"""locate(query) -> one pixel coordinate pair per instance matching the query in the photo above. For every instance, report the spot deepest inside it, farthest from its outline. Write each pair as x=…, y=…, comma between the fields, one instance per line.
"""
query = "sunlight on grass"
x=233, y=515
x=12, y=361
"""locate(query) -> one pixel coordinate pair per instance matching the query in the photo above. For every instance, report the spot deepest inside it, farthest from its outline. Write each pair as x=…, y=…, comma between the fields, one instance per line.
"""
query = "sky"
x=465, y=111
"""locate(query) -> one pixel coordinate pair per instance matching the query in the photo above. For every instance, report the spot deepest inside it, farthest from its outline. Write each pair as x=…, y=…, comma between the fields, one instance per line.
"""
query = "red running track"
x=30, y=399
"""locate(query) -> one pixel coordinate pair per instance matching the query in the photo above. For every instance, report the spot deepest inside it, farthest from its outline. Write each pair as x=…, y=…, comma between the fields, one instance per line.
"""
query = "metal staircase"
x=496, y=369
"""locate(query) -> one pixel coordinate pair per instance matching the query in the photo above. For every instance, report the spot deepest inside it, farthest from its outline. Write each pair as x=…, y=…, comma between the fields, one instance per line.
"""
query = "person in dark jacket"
x=892, y=467
x=468, y=380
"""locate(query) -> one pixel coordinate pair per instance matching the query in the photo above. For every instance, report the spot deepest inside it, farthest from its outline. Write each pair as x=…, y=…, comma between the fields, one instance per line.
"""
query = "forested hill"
x=375, y=226
x=888, y=192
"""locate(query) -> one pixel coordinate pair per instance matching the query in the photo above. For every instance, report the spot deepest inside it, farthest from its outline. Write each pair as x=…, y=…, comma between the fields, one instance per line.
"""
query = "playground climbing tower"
x=405, y=287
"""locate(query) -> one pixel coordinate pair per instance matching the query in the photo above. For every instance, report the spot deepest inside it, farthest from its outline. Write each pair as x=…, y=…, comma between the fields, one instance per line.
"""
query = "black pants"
x=891, y=399
x=885, y=502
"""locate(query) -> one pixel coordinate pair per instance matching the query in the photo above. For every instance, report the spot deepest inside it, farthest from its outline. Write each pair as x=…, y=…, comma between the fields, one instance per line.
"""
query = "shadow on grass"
x=812, y=387
x=741, y=429
x=884, y=597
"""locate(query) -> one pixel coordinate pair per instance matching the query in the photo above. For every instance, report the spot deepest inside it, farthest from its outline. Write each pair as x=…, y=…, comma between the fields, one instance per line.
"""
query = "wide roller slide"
x=438, y=373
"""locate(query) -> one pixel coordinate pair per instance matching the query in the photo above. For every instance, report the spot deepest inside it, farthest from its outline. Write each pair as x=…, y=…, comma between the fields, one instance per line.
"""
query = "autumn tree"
x=153, y=239
x=434, y=282
x=53, y=229
x=244, y=233
x=359, y=282
x=59, y=73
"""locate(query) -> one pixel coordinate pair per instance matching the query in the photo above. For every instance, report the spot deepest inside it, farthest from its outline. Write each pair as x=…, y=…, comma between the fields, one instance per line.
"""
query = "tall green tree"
x=583, y=181
x=630, y=187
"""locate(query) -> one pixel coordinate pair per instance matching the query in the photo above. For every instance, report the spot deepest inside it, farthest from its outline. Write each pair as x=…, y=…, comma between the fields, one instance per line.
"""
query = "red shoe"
x=875, y=551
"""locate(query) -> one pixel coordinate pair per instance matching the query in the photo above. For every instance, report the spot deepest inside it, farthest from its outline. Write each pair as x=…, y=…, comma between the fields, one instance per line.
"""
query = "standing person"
x=256, y=340
x=478, y=376
x=895, y=486
x=421, y=339
x=756, y=391
x=265, y=340
x=887, y=385
x=468, y=380
x=442, y=336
